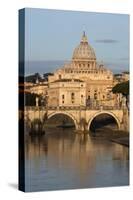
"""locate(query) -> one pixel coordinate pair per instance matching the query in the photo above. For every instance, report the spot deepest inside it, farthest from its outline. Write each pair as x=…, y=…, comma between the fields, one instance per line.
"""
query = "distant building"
x=118, y=78
x=84, y=66
x=82, y=81
x=67, y=92
x=125, y=76
x=39, y=88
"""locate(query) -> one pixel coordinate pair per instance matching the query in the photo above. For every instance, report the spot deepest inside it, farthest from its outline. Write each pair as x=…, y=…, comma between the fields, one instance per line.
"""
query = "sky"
x=52, y=35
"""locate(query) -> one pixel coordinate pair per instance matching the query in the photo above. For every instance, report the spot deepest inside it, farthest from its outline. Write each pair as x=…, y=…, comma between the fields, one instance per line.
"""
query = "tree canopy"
x=122, y=88
x=28, y=99
x=33, y=78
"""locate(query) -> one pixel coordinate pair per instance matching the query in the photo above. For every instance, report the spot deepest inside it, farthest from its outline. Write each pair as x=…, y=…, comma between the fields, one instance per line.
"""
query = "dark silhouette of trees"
x=122, y=88
x=30, y=99
x=33, y=78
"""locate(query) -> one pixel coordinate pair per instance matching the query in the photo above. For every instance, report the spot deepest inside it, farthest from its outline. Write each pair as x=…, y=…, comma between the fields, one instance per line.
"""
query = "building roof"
x=84, y=51
x=125, y=72
x=68, y=80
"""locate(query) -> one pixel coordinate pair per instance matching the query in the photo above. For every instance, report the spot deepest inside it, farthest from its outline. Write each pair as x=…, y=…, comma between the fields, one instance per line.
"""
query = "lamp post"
x=46, y=104
x=42, y=102
x=42, y=105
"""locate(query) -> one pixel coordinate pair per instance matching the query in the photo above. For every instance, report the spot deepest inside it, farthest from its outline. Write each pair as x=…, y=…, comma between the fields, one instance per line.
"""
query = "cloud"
x=106, y=41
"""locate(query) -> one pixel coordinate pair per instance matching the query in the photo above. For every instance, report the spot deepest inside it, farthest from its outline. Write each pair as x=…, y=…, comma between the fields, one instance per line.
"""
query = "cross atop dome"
x=84, y=38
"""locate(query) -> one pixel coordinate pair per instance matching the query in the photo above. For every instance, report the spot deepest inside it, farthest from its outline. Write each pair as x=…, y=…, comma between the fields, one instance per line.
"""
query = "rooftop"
x=68, y=80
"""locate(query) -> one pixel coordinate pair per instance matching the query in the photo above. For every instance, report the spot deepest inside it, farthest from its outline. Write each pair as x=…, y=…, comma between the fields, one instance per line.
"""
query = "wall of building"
x=69, y=93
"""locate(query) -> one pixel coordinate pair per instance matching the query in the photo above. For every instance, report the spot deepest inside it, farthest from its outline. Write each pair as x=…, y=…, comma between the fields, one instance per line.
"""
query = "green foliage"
x=33, y=78
x=122, y=88
x=30, y=99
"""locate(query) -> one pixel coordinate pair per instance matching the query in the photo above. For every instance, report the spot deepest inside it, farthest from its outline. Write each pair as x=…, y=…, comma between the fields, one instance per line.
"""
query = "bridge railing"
x=41, y=108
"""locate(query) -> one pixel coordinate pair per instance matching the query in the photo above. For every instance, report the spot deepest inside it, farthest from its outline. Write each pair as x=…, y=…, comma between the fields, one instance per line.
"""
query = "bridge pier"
x=82, y=126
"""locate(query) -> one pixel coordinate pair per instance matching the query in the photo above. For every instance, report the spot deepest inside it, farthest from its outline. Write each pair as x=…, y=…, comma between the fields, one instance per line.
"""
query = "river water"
x=62, y=159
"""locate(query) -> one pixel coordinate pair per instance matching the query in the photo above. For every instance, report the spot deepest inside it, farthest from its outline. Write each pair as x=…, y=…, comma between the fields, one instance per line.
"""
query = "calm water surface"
x=62, y=159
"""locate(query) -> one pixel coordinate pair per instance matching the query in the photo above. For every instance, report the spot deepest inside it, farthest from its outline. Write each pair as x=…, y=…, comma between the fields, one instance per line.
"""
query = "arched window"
x=59, y=76
x=82, y=99
x=95, y=96
x=72, y=95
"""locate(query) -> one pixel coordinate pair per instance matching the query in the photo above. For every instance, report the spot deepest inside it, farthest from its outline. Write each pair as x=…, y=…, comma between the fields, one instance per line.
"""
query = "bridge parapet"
x=43, y=108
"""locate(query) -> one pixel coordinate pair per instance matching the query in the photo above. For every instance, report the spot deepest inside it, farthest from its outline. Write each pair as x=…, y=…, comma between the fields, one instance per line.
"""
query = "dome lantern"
x=84, y=38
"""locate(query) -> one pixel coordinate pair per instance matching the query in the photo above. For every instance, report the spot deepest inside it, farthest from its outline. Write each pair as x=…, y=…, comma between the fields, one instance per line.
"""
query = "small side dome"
x=84, y=51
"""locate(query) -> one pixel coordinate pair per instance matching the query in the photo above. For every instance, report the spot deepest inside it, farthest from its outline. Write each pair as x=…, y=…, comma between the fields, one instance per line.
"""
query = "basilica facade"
x=82, y=81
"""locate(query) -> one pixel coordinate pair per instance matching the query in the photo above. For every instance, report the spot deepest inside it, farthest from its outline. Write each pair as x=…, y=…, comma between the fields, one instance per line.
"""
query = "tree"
x=33, y=78
x=30, y=99
x=122, y=88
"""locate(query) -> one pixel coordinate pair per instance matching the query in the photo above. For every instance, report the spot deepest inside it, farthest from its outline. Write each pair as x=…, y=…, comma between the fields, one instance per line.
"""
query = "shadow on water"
x=102, y=122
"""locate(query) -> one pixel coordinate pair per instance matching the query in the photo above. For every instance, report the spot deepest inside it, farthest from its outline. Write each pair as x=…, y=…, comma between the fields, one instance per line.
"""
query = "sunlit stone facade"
x=39, y=88
x=67, y=92
x=84, y=67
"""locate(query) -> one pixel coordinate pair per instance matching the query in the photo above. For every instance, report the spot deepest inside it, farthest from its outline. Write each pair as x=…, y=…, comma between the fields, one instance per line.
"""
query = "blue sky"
x=53, y=35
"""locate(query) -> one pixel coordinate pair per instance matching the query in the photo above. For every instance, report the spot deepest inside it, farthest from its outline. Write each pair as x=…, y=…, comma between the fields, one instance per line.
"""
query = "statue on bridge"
x=37, y=101
x=124, y=102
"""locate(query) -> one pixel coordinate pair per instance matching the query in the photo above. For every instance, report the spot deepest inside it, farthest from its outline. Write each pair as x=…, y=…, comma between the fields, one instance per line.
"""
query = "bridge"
x=82, y=117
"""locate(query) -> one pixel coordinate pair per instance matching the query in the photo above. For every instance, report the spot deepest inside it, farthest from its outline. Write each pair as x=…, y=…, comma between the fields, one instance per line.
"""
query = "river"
x=62, y=159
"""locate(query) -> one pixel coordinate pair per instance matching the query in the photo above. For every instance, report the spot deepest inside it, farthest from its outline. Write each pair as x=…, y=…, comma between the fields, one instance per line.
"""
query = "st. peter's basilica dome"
x=84, y=51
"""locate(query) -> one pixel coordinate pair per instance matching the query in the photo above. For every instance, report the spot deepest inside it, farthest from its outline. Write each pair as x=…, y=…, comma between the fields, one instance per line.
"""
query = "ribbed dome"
x=84, y=51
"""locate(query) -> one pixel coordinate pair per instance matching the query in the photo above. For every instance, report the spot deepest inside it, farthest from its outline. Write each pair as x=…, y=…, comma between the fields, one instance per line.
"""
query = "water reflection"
x=61, y=159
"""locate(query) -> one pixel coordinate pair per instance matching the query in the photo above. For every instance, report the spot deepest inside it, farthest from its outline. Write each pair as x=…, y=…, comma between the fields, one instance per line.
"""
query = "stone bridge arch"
x=64, y=113
x=104, y=112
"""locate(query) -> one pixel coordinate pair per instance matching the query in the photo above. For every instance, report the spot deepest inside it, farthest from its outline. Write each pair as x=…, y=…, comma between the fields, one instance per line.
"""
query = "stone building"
x=84, y=66
x=39, y=88
x=67, y=92
x=123, y=77
x=81, y=82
